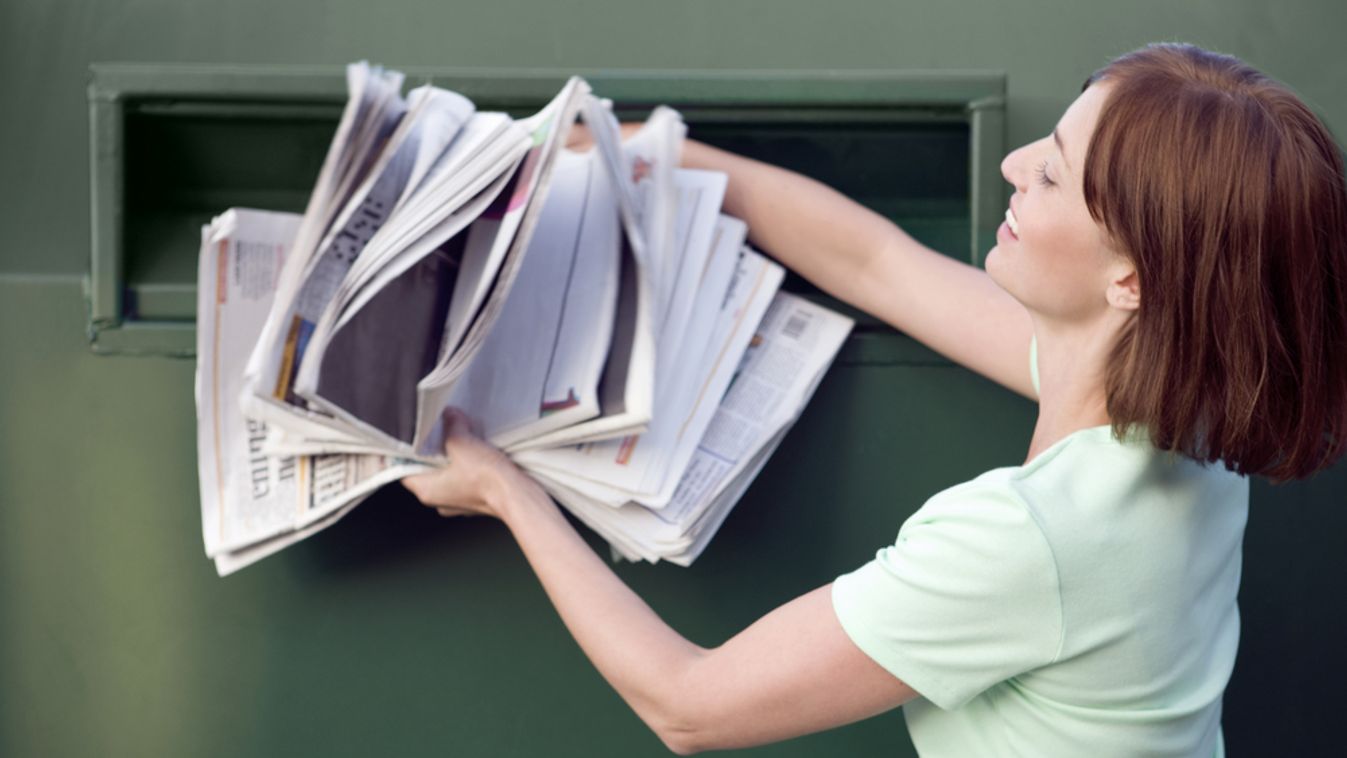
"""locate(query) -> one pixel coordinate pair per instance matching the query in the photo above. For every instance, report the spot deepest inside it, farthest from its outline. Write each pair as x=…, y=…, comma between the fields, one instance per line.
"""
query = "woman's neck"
x=1071, y=395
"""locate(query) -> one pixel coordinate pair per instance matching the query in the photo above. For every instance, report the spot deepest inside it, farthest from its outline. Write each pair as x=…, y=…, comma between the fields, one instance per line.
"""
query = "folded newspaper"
x=596, y=312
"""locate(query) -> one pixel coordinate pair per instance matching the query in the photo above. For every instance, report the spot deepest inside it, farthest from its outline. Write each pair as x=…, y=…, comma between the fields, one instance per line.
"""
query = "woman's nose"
x=1013, y=168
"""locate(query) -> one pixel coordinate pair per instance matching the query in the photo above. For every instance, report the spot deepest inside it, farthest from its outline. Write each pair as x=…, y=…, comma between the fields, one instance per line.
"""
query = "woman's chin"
x=992, y=260
x=995, y=265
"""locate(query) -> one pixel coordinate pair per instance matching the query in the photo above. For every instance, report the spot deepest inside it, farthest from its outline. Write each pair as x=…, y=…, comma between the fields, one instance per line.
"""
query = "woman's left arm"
x=792, y=672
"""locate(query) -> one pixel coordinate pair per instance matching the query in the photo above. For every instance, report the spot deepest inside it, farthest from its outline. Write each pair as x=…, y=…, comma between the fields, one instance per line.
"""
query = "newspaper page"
x=369, y=209
x=625, y=393
x=700, y=195
x=247, y=496
x=636, y=467
x=791, y=350
x=793, y=347
x=374, y=107
x=506, y=382
x=512, y=221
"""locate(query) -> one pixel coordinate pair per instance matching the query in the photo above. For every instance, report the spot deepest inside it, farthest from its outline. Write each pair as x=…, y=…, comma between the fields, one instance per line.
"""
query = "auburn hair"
x=1228, y=196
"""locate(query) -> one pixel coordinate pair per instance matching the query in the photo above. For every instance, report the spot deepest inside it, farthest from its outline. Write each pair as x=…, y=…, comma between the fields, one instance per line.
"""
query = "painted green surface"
x=1046, y=47
x=398, y=633
x=395, y=632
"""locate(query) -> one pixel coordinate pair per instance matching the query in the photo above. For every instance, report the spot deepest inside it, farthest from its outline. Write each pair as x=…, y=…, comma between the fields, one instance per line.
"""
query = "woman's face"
x=1050, y=253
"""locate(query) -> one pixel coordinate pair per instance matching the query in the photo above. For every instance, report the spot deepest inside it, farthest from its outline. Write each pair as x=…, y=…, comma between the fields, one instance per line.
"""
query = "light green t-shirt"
x=1082, y=604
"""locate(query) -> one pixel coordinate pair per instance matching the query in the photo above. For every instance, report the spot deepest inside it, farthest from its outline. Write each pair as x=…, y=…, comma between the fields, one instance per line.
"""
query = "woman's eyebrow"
x=1060, y=147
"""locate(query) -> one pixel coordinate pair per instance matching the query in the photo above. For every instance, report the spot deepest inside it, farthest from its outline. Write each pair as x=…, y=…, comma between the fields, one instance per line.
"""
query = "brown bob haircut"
x=1228, y=196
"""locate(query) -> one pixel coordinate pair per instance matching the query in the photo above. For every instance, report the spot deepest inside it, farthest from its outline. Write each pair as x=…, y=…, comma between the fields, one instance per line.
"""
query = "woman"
x=1174, y=259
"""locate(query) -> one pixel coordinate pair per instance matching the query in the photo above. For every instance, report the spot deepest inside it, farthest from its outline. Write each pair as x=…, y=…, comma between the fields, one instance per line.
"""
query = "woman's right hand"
x=579, y=139
x=477, y=479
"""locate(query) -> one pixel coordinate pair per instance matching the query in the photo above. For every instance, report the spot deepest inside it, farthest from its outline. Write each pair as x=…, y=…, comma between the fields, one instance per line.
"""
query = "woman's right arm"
x=792, y=672
x=865, y=260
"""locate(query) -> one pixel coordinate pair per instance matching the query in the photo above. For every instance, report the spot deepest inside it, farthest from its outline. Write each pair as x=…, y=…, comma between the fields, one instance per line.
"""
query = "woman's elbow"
x=689, y=738
x=680, y=743
x=683, y=724
x=678, y=732
x=679, y=714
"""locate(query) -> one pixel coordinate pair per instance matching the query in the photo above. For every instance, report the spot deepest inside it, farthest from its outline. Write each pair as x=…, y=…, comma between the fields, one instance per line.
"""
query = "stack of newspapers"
x=595, y=312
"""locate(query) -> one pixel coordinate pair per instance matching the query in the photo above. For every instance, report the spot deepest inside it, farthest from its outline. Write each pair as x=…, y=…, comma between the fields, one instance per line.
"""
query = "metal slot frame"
x=974, y=97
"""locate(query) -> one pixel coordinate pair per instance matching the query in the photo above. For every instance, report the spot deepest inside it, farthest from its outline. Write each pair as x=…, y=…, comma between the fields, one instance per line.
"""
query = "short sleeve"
x=966, y=598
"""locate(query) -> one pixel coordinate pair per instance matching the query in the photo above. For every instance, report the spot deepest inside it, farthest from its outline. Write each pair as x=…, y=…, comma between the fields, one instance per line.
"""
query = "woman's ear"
x=1123, y=291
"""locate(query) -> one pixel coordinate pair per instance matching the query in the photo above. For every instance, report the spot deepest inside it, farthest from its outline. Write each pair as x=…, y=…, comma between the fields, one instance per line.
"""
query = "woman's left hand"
x=474, y=481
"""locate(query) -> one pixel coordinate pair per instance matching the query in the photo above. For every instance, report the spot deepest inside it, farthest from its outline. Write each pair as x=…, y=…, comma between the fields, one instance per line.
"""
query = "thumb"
x=458, y=423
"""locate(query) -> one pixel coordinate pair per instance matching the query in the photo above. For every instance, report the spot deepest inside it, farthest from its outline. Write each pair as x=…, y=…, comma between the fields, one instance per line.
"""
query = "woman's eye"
x=1042, y=172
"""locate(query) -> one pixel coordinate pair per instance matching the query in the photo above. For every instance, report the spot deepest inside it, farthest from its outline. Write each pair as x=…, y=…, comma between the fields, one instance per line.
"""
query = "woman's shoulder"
x=1091, y=481
x=1099, y=461
x=1077, y=459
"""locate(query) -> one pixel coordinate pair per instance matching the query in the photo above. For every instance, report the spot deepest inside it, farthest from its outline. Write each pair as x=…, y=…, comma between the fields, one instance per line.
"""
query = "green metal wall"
x=398, y=633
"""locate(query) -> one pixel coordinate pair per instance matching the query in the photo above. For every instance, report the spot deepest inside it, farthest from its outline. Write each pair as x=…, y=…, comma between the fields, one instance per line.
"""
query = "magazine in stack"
x=595, y=312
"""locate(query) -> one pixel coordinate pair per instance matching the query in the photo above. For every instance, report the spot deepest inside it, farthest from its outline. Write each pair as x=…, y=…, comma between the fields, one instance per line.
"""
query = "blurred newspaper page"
x=626, y=352
x=228, y=562
x=372, y=111
x=636, y=467
x=792, y=349
x=247, y=496
x=506, y=384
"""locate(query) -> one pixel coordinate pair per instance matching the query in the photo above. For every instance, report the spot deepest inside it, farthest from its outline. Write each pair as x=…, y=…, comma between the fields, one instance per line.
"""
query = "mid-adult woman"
x=1174, y=259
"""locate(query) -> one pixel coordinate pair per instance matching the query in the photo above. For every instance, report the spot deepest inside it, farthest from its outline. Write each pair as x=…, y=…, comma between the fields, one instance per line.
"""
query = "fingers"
x=578, y=138
x=415, y=483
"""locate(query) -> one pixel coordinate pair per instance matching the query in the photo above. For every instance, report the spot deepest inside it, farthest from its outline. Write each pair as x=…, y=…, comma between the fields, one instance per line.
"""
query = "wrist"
x=696, y=155
x=512, y=491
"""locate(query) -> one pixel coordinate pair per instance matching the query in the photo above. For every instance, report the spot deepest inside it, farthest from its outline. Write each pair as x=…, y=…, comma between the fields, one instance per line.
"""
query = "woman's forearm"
x=791, y=672
x=867, y=261
x=811, y=228
x=640, y=655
